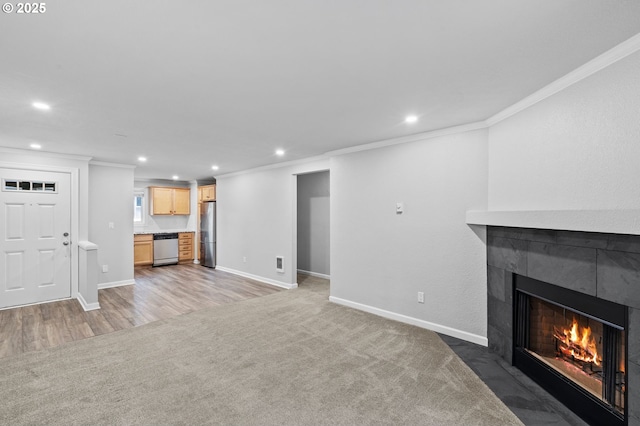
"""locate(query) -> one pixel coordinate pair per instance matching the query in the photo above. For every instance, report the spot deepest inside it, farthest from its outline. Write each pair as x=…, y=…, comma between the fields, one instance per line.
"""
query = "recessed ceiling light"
x=142, y=159
x=280, y=152
x=214, y=167
x=35, y=146
x=41, y=105
x=175, y=177
x=411, y=119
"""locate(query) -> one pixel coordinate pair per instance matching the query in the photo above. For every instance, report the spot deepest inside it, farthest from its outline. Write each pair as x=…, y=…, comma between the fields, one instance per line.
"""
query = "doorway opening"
x=313, y=224
x=35, y=236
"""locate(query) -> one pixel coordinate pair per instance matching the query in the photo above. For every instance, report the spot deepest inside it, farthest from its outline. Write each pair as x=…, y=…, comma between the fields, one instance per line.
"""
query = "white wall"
x=381, y=260
x=256, y=216
x=313, y=222
x=111, y=201
x=578, y=149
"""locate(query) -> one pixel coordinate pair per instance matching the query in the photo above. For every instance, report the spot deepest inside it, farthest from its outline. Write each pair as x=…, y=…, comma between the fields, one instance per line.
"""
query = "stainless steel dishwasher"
x=165, y=248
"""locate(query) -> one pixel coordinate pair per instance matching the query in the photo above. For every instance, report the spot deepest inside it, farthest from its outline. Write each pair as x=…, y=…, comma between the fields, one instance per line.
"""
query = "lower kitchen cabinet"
x=143, y=249
x=185, y=246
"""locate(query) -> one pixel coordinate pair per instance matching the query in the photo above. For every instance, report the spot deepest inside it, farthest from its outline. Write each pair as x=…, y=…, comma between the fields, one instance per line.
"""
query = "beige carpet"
x=291, y=358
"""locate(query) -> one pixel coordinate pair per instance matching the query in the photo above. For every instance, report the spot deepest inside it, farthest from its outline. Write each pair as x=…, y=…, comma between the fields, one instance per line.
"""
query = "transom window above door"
x=31, y=186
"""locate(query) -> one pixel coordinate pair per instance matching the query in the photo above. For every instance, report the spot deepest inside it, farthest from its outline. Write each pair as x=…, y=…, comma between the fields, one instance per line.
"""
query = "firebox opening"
x=575, y=346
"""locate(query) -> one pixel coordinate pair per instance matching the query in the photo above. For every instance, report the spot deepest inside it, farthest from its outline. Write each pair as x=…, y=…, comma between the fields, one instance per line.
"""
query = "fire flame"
x=580, y=344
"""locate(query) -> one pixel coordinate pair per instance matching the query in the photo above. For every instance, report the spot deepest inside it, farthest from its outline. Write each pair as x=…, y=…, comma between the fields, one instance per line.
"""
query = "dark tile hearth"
x=532, y=404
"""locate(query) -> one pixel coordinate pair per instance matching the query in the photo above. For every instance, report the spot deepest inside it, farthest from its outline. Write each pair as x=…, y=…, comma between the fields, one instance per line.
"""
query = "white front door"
x=35, y=227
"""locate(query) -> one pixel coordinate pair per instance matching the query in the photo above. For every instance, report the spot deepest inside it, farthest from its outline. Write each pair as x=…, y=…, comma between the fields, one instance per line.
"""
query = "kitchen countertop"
x=160, y=231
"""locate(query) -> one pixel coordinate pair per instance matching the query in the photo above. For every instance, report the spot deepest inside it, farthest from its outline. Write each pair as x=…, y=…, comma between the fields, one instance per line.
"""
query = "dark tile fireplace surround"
x=606, y=266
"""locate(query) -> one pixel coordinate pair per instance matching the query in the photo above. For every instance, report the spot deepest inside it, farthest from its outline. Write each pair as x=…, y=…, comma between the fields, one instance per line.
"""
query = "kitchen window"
x=138, y=208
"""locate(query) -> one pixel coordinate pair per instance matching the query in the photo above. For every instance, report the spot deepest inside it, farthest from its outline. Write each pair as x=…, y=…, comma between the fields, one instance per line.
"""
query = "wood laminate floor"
x=158, y=293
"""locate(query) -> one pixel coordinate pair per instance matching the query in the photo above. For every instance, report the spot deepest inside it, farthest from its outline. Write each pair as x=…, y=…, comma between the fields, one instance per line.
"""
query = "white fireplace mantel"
x=606, y=221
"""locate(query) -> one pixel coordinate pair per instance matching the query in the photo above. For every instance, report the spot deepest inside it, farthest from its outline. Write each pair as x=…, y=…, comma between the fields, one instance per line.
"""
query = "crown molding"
x=411, y=138
x=163, y=182
x=44, y=154
x=106, y=164
x=606, y=59
x=273, y=166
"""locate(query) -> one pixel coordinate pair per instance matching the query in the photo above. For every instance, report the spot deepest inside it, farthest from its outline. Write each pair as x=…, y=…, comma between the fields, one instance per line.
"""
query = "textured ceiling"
x=194, y=83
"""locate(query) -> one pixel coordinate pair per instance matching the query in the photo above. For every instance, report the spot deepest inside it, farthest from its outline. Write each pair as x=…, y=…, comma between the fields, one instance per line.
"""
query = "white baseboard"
x=115, y=284
x=257, y=278
x=87, y=306
x=37, y=303
x=314, y=274
x=459, y=334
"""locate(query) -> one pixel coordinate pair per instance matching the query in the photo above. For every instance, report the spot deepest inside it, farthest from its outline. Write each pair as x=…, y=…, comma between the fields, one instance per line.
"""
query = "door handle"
x=65, y=243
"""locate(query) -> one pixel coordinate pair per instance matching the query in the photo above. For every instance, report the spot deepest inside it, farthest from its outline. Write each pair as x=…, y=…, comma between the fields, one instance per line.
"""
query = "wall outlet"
x=244, y=259
x=112, y=225
x=105, y=268
x=420, y=297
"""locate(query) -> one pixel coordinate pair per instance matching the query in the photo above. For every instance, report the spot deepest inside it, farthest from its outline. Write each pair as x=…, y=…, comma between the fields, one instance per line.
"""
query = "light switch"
x=112, y=225
x=399, y=208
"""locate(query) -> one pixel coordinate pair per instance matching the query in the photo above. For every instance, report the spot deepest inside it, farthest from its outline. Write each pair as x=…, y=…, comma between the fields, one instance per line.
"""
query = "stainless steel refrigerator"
x=208, y=234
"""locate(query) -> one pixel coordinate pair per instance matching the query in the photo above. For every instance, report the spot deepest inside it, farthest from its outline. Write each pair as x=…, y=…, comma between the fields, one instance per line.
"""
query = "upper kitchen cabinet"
x=207, y=193
x=169, y=201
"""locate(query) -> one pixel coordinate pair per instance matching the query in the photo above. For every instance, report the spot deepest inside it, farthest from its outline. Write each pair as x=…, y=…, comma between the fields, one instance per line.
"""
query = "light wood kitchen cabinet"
x=182, y=201
x=185, y=246
x=207, y=193
x=169, y=201
x=143, y=249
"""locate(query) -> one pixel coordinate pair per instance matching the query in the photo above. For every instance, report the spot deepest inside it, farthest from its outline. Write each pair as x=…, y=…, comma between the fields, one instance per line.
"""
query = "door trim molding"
x=74, y=210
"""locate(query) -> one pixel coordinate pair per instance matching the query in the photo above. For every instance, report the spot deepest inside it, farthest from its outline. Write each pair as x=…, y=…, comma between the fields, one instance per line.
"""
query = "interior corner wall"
x=313, y=222
x=255, y=220
x=111, y=201
x=380, y=260
x=576, y=150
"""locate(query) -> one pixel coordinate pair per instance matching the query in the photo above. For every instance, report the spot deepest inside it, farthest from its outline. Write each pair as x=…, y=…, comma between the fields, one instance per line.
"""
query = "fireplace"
x=564, y=307
x=574, y=345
